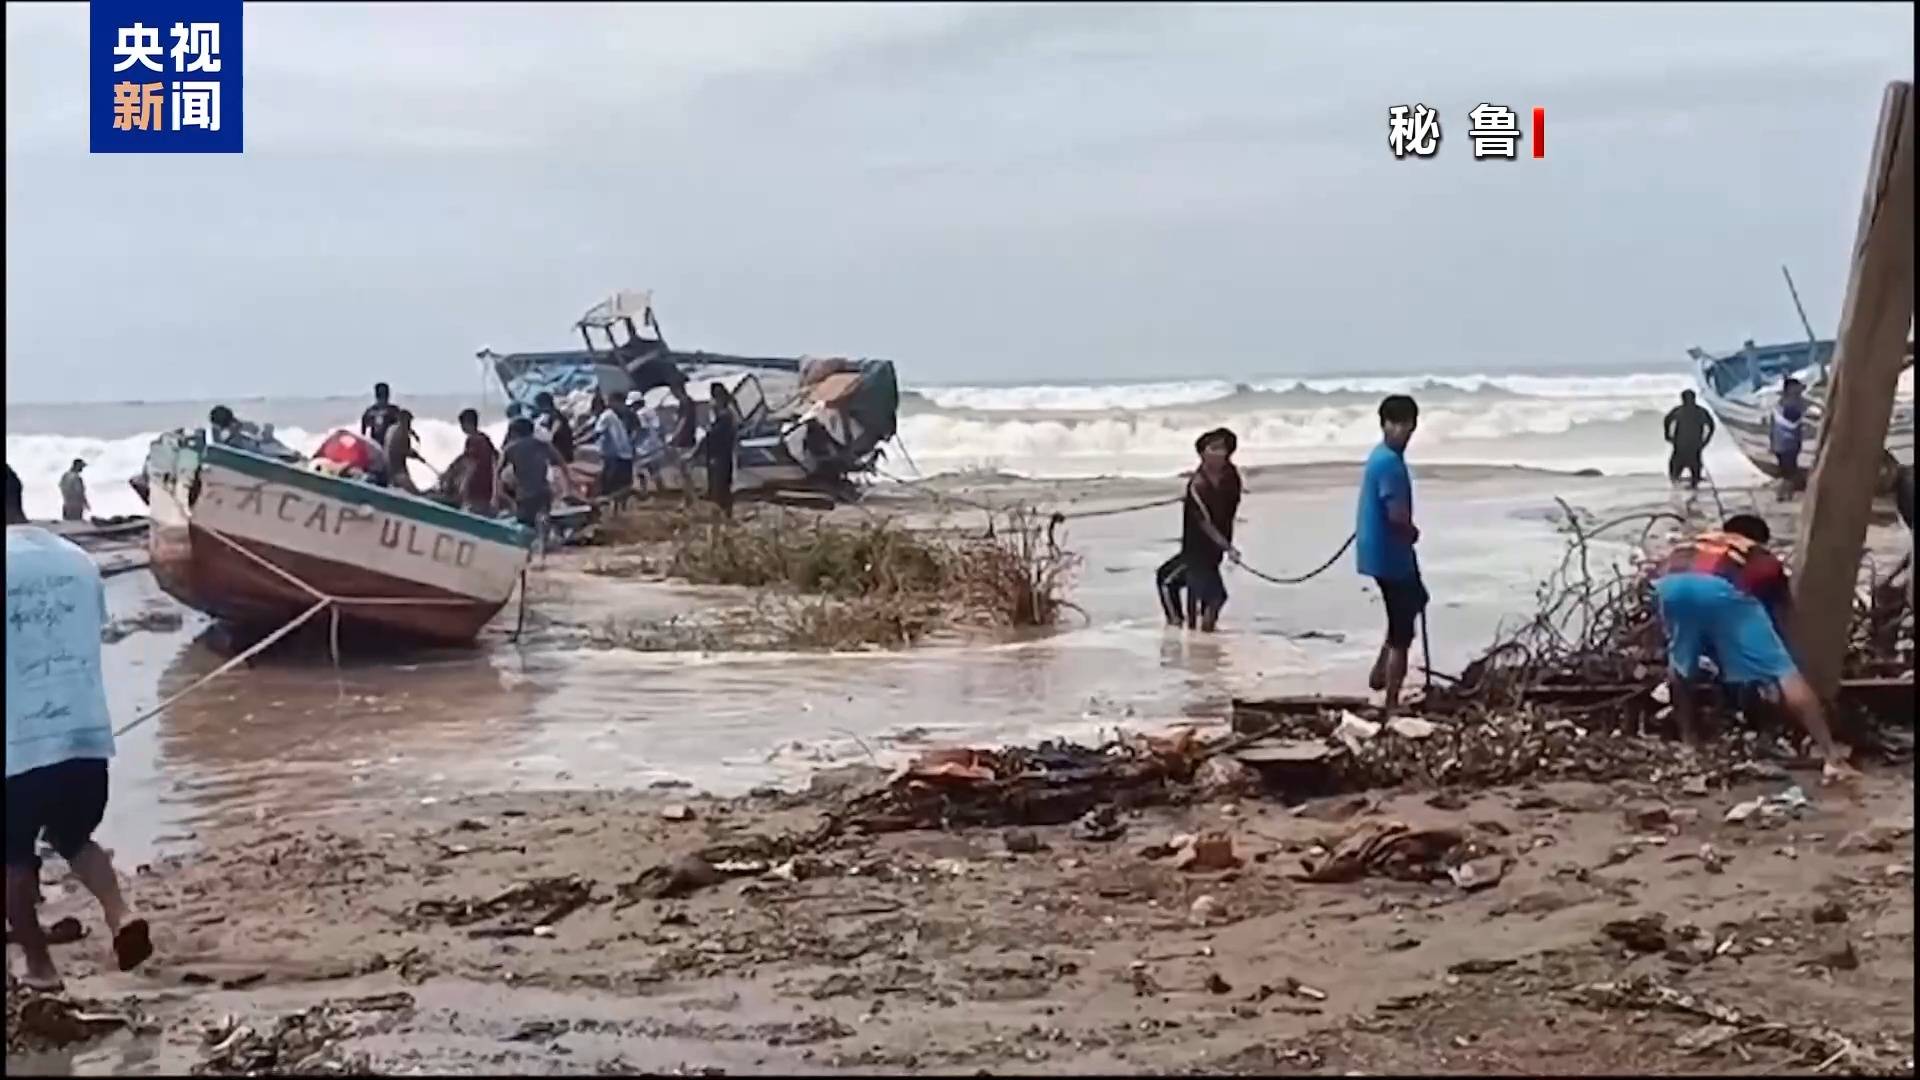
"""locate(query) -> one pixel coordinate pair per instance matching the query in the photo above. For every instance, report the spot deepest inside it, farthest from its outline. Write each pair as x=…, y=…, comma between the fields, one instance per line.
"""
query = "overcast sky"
x=977, y=192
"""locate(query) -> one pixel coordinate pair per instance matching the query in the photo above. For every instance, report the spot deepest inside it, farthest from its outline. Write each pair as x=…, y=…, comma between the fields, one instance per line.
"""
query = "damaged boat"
x=256, y=534
x=1742, y=388
x=806, y=424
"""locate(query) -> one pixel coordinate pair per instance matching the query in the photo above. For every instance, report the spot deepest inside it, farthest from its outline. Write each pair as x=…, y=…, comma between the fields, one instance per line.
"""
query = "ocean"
x=1567, y=422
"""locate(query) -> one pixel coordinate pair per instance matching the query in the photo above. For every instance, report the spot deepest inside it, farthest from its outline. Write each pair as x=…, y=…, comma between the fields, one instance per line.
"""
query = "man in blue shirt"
x=59, y=736
x=1384, y=536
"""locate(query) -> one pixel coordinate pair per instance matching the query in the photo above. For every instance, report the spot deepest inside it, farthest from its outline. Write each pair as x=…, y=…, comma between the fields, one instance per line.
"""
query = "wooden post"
x=1866, y=367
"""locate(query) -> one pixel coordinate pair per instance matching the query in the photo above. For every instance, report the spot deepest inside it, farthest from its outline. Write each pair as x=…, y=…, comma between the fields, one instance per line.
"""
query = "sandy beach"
x=291, y=823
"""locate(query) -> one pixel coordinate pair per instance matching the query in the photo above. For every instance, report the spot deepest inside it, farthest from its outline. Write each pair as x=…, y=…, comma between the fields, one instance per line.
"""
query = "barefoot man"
x=59, y=737
x=1723, y=594
x=1384, y=536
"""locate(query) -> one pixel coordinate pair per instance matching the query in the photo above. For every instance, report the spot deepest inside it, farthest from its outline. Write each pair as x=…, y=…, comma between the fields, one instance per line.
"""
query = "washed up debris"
x=1397, y=851
x=304, y=1043
x=676, y=812
x=1217, y=985
x=1830, y=913
x=1223, y=776
x=1411, y=727
x=154, y=620
x=1705, y=1038
x=1690, y=946
x=1355, y=732
x=1480, y=966
x=1204, y=910
x=1646, y=934
x=1648, y=817
x=1822, y=1046
x=540, y=902
x=41, y=1020
x=681, y=876
x=1100, y=825
x=1049, y=784
x=952, y=766
x=1481, y=873
x=1595, y=641
x=841, y=780
x=1879, y=838
x=1299, y=989
x=1770, y=808
x=1206, y=852
x=1023, y=842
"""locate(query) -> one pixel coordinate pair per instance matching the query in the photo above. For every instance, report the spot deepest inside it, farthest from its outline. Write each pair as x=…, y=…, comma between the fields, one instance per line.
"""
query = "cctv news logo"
x=1494, y=130
x=164, y=77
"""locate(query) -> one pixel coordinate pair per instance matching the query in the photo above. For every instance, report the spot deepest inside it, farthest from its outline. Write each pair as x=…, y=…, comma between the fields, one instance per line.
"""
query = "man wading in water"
x=1384, y=536
x=1206, y=537
x=1689, y=428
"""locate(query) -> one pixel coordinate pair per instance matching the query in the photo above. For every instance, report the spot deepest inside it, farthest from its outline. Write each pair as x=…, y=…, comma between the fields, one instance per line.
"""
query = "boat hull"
x=255, y=541
x=1742, y=390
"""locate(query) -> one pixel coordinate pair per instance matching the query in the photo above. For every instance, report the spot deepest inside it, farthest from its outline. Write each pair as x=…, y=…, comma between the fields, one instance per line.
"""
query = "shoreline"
x=292, y=821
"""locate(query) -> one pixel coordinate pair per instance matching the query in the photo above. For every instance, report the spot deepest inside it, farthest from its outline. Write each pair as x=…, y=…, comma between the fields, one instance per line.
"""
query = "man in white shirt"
x=59, y=737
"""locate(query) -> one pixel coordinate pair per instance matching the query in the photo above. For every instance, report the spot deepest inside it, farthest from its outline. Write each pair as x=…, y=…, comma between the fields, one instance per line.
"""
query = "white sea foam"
x=40, y=459
x=1072, y=398
x=1130, y=397
x=1610, y=422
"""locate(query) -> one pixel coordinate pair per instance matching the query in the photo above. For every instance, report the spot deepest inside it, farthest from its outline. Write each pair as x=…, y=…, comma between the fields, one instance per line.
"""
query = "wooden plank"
x=1873, y=333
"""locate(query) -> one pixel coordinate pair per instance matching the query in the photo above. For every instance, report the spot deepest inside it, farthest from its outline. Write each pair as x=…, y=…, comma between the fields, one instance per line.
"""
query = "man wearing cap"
x=73, y=493
x=1206, y=537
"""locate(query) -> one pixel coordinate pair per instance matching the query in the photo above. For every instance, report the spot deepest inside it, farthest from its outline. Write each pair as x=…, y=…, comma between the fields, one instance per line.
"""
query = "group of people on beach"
x=1722, y=597
x=541, y=445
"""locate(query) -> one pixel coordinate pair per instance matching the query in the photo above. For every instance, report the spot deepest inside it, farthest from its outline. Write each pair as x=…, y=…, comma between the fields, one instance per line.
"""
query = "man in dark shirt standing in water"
x=1689, y=428
x=723, y=438
x=1206, y=536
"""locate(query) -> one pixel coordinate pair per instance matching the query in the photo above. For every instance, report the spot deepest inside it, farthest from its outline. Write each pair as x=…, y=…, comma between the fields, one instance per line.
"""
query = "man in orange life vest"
x=1723, y=594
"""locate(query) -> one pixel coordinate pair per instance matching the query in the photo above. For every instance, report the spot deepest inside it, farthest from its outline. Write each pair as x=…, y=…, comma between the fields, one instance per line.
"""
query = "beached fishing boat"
x=1742, y=389
x=806, y=424
x=257, y=538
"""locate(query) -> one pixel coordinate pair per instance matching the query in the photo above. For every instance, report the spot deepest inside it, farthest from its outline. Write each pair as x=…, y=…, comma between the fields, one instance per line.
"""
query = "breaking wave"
x=1610, y=422
x=1134, y=397
x=40, y=459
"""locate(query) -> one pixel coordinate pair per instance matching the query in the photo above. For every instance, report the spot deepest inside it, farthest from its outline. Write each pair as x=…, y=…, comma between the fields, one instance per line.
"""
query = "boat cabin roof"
x=636, y=304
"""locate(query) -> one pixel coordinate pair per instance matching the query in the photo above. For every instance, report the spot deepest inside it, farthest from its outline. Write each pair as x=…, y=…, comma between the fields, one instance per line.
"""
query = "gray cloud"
x=977, y=191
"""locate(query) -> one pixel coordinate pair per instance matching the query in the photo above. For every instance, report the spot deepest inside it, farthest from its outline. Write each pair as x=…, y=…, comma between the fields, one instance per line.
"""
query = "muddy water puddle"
x=292, y=735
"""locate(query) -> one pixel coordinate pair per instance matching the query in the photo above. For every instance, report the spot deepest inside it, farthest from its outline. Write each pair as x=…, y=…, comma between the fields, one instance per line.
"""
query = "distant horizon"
x=401, y=391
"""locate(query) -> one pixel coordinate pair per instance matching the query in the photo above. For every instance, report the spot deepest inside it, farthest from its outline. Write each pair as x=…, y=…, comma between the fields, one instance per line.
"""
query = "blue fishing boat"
x=1742, y=388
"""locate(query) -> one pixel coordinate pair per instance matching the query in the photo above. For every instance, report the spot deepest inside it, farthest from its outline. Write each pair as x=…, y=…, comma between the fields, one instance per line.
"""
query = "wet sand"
x=267, y=783
x=947, y=952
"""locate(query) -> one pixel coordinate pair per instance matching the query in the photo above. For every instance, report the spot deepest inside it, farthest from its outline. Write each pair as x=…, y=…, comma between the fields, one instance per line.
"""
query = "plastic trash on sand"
x=1354, y=731
x=1411, y=727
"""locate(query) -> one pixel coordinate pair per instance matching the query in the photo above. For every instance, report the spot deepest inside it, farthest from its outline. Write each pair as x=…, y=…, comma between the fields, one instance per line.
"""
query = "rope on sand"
x=322, y=601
